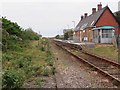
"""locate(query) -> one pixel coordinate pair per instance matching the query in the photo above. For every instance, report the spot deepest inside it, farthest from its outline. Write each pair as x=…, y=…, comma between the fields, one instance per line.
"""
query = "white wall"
x=106, y=40
x=102, y=40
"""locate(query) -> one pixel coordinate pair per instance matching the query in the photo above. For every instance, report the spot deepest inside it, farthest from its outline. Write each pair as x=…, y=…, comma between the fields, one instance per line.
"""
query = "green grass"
x=105, y=51
x=31, y=61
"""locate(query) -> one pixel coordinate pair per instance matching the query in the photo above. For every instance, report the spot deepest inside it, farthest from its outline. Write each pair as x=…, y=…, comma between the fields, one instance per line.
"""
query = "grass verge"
x=109, y=52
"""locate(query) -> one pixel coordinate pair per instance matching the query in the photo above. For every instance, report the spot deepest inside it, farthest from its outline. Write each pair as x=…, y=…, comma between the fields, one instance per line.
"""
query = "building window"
x=106, y=33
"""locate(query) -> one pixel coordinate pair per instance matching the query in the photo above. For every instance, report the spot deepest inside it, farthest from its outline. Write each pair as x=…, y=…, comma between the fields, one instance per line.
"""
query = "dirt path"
x=71, y=73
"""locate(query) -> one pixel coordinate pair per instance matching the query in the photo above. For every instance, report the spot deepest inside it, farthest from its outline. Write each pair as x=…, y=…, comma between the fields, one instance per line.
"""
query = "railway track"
x=109, y=69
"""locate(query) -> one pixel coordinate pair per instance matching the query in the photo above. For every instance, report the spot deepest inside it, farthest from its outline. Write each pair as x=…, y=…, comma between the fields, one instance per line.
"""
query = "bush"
x=14, y=47
x=49, y=61
x=40, y=81
x=45, y=71
x=42, y=48
x=53, y=70
x=49, y=58
x=21, y=62
x=29, y=71
x=33, y=70
x=12, y=79
x=6, y=57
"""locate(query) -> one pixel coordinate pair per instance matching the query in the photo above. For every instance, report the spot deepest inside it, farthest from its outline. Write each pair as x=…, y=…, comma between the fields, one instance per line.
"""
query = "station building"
x=99, y=27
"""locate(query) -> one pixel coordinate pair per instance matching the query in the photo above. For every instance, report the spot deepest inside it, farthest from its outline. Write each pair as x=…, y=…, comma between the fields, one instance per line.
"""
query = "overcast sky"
x=50, y=17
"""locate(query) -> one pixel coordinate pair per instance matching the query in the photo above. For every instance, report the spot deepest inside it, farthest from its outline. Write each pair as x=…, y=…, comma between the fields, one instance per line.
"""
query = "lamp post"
x=74, y=23
x=73, y=29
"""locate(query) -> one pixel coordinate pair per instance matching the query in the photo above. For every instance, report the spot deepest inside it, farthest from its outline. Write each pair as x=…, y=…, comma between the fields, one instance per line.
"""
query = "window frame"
x=107, y=33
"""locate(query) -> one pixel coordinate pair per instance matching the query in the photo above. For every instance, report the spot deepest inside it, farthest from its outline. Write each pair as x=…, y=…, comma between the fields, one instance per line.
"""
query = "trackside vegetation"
x=25, y=57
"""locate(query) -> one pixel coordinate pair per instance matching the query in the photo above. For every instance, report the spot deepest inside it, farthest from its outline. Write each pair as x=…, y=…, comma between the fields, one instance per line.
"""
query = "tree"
x=11, y=27
x=57, y=36
x=30, y=34
x=13, y=36
x=118, y=14
x=68, y=34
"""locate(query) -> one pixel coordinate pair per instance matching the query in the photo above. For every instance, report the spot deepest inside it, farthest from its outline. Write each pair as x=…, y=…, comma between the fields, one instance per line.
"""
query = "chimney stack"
x=85, y=15
x=82, y=17
x=93, y=10
x=99, y=6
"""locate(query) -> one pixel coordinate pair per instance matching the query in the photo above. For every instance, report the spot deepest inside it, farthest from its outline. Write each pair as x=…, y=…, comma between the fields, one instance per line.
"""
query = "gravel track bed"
x=71, y=73
x=111, y=69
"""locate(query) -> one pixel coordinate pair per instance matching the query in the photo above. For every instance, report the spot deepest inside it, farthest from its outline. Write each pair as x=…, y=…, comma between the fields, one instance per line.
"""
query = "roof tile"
x=90, y=20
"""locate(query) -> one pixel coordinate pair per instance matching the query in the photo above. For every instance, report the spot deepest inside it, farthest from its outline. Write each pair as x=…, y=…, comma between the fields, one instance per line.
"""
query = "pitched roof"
x=90, y=20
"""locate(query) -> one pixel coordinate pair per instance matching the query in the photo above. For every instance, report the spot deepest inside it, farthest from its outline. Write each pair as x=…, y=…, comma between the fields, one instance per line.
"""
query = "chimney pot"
x=93, y=10
x=81, y=17
x=85, y=15
x=99, y=6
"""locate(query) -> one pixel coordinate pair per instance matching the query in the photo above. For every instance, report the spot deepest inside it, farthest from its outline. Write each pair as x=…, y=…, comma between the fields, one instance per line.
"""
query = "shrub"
x=29, y=71
x=45, y=71
x=33, y=70
x=49, y=53
x=6, y=57
x=49, y=59
x=12, y=79
x=21, y=62
x=53, y=70
x=14, y=47
x=40, y=81
x=50, y=63
x=42, y=48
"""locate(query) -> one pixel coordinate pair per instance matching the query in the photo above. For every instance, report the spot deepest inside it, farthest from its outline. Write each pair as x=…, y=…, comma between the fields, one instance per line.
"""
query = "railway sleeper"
x=114, y=72
x=103, y=59
x=106, y=67
x=110, y=70
x=111, y=77
x=117, y=76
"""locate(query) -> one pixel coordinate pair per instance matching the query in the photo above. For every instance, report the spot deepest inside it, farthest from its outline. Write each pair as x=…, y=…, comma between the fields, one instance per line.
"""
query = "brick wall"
x=107, y=20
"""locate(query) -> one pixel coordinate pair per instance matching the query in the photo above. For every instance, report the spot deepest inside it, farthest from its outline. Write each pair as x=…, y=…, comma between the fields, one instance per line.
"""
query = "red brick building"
x=99, y=27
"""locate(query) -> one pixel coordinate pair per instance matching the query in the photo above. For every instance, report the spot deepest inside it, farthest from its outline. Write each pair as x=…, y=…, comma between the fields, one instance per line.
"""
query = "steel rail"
x=109, y=76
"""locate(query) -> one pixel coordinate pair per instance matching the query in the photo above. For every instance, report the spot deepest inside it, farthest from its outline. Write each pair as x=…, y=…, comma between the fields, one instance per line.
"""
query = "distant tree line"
x=67, y=35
